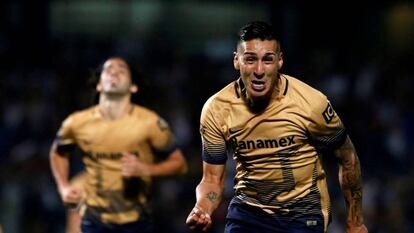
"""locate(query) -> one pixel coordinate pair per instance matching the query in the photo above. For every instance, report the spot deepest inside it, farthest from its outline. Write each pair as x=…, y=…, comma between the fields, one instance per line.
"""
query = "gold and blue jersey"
x=277, y=151
x=141, y=132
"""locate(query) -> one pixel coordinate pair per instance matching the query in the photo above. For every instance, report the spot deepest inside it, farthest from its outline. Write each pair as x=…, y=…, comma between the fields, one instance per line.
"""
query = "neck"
x=259, y=104
x=114, y=107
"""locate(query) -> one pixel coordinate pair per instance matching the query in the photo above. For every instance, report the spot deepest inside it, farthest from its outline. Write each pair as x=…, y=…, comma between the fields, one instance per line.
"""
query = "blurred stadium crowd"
x=361, y=57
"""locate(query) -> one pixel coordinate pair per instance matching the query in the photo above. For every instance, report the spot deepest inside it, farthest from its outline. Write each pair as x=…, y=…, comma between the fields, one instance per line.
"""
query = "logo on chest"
x=262, y=143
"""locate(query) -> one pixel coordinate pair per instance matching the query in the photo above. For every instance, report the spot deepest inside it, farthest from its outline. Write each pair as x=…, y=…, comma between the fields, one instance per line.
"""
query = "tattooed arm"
x=209, y=194
x=351, y=184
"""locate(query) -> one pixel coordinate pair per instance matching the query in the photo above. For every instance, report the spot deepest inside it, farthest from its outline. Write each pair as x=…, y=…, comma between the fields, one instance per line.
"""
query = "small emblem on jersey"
x=87, y=142
x=234, y=130
x=310, y=223
x=162, y=124
x=329, y=113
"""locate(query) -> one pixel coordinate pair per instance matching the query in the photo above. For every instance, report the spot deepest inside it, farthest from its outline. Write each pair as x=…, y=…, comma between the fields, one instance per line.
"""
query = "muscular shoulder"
x=143, y=112
x=219, y=104
x=305, y=96
x=81, y=116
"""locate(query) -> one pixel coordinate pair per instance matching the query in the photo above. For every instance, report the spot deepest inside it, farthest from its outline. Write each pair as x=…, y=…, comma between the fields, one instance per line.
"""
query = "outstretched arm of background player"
x=59, y=164
x=351, y=184
x=209, y=194
x=174, y=164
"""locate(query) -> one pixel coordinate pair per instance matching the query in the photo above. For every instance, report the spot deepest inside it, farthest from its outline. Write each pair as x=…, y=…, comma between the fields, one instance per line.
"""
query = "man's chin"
x=258, y=94
x=116, y=93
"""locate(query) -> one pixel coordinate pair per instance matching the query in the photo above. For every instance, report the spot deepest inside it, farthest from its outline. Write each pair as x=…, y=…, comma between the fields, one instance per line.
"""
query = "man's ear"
x=280, y=62
x=133, y=88
x=98, y=87
x=236, y=61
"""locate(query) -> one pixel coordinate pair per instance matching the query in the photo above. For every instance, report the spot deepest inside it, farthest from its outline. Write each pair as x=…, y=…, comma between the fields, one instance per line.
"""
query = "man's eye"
x=250, y=59
x=269, y=60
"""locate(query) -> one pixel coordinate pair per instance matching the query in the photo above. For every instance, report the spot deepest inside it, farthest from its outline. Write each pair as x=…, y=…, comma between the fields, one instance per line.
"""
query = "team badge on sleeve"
x=329, y=113
x=162, y=124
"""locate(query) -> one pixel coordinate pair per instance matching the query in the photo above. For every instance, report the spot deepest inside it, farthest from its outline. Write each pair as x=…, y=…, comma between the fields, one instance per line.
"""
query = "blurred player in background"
x=123, y=145
x=277, y=128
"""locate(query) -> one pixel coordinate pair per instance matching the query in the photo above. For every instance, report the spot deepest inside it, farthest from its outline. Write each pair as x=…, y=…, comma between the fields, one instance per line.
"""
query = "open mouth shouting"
x=258, y=85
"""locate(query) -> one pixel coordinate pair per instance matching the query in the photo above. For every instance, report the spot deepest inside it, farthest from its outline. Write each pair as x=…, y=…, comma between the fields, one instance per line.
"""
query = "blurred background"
x=359, y=54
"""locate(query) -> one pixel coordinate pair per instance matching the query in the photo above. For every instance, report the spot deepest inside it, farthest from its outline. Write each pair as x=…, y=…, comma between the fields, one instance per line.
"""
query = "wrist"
x=152, y=170
x=357, y=222
x=204, y=208
x=62, y=187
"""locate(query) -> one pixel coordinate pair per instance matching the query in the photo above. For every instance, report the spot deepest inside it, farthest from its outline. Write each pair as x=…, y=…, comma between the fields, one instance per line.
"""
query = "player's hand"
x=132, y=166
x=357, y=229
x=198, y=219
x=71, y=195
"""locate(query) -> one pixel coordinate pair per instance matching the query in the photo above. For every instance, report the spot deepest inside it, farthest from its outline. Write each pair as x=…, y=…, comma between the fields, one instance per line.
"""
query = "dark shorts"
x=237, y=226
x=94, y=226
x=245, y=219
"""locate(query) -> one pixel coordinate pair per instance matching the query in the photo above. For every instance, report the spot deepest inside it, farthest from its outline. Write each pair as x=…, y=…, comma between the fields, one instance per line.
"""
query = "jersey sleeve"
x=326, y=129
x=213, y=142
x=65, y=139
x=161, y=137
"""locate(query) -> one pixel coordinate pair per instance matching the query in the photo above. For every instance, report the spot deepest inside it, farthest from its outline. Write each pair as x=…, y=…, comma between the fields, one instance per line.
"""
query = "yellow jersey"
x=108, y=195
x=277, y=151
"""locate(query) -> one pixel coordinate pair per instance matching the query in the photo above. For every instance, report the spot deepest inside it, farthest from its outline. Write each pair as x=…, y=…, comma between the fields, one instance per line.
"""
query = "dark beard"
x=258, y=105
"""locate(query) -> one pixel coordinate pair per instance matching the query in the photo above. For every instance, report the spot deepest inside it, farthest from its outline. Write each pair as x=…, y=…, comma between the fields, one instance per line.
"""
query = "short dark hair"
x=258, y=30
x=96, y=72
x=95, y=75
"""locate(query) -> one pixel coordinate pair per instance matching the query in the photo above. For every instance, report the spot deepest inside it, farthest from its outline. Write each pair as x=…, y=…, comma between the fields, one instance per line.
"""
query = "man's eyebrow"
x=267, y=53
x=113, y=65
x=270, y=54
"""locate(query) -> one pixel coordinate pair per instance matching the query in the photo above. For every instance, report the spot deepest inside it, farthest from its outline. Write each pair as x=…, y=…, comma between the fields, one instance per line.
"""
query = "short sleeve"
x=161, y=137
x=213, y=142
x=65, y=139
x=326, y=129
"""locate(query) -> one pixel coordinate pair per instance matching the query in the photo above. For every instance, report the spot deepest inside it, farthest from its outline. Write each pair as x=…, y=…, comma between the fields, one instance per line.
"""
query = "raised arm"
x=209, y=194
x=351, y=184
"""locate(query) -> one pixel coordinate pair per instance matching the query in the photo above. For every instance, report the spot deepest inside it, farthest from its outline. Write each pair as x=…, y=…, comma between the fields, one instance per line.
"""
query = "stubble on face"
x=115, y=78
x=259, y=62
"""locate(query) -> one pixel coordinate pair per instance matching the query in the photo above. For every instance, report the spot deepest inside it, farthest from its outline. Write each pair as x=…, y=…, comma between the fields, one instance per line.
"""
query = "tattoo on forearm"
x=351, y=182
x=212, y=196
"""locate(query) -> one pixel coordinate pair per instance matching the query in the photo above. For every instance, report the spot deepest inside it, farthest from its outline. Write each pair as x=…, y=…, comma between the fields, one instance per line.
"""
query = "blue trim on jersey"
x=214, y=159
x=330, y=143
x=163, y=154
x=286, y=86
x=63, y=149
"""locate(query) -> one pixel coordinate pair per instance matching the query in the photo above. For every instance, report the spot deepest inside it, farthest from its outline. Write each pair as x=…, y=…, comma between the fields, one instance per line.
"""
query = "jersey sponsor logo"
x=102, y=155
x=263, y=143
x=329, y=113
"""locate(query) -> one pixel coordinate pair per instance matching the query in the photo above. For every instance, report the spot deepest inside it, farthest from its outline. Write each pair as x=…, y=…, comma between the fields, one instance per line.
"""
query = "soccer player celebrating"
x=276, y=127
x=119, y=140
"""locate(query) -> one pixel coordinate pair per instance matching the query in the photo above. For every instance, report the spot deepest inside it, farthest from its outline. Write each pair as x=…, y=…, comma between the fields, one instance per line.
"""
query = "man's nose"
x=114, y=72
x=259, y=70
